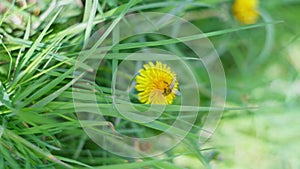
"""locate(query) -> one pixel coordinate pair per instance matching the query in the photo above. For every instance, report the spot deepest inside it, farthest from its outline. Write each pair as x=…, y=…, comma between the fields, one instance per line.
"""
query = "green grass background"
x=39, y=128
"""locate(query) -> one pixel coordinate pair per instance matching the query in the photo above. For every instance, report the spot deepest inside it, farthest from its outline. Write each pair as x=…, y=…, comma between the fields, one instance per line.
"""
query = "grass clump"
x=39, y=46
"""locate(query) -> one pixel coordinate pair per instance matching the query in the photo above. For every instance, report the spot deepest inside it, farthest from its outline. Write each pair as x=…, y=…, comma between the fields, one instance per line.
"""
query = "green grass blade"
x=25, y=38
x=185, y=39
x=30, y=52
x=135, y=165
x=4, y=97
x=47, y=87
x=54, y=95
x=167, y=4
x=89, y=14
x=11, y=60
x=46, y=155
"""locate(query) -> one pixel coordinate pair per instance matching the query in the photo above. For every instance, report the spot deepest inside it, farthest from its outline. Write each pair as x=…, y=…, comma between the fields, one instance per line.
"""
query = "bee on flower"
x=246, y=11
x=156, y=84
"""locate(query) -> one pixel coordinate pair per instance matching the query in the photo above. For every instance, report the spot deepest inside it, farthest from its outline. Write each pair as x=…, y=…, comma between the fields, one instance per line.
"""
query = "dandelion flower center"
x=156, y=84
x=245, y=11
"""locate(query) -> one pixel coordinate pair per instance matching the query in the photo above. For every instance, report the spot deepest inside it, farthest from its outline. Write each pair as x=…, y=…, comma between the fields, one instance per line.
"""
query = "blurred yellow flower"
x=156, y=84
x=246, y=11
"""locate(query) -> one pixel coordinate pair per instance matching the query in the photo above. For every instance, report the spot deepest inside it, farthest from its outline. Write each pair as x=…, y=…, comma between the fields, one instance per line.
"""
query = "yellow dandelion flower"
x=246, y=11
x=156, y=84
